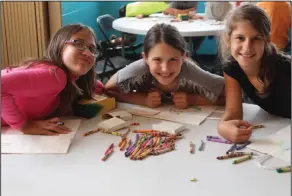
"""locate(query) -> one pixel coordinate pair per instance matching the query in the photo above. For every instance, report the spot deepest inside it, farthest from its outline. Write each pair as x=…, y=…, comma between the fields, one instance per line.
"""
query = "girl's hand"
x=235, y=130
x=153, y=99
x=45, y=127
x=180, y=100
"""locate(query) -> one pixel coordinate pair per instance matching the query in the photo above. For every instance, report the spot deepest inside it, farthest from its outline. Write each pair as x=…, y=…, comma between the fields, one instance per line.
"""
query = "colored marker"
x=248, y=157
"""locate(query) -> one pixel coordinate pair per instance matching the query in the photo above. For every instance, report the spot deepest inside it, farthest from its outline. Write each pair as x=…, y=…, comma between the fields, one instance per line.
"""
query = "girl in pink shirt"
x=41, y=88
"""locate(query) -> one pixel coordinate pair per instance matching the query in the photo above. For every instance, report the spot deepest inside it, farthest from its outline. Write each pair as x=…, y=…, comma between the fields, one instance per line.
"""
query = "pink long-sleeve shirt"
x=31, y=93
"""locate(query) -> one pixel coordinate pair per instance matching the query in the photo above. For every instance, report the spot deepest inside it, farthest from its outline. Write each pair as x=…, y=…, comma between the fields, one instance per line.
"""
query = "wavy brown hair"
x=85, y=85
x=259, y=20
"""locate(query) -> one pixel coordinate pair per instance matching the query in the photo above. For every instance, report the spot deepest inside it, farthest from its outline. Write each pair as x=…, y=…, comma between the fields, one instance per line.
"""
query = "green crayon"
x=283, y=169
x=242, y=159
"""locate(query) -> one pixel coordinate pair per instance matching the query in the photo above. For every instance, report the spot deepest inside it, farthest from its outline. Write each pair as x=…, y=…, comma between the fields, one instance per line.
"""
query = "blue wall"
x=87, y=12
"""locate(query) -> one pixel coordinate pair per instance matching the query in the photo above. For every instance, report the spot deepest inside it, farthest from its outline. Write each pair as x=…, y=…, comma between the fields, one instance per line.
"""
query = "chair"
x=105, y=23
x=110, y=60
x=107, y=64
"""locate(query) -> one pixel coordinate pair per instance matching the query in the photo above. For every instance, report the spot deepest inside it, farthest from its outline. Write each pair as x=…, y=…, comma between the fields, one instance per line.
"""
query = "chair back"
x=105, y=24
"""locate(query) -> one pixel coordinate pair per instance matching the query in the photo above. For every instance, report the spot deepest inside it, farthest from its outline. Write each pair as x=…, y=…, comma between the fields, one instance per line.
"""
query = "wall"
x=87, y=12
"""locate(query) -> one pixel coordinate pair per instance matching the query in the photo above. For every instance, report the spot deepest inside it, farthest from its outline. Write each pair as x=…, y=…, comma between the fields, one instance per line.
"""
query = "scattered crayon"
x=194, y=180
x=219, y=140
x=232, y=155
x=109, y=148
x=112, y=133
x=197, y=108
x=284, y=169
x=192, y=148
x=258, y=126
x=107, y=155
x=91, y=132
x=135, y=124
x=242, y=146
x=202, y=146
x=248, y=157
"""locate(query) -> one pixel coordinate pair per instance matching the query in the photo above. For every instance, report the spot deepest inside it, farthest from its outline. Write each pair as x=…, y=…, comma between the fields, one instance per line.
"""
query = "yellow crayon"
x=284, y=169
x=91, y=132
x=257, y=126
x=248, y=157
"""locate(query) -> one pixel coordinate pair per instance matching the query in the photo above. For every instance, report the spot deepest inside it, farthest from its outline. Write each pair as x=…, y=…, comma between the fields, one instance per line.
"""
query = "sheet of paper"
x=277, y=144
x=14, y=141
x=190, y=115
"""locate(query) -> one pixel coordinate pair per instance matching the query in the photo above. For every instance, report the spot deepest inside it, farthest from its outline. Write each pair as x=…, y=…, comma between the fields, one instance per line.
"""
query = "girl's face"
x=247, y=46
x=77, y=54
x=164, y=63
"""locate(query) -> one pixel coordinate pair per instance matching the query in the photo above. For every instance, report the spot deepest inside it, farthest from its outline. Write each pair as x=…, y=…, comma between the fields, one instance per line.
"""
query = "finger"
x=243, y=123
x=242, y=138
x=54, y=120
x=57, y=129
x=50, y=133
x=242, y=131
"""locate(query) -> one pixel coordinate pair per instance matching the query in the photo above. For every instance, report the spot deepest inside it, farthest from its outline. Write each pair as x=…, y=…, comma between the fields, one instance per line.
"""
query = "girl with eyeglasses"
x=39, y=89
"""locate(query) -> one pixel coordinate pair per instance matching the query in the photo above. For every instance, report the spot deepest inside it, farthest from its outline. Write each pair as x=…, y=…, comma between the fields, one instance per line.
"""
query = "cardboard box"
x=107, y=103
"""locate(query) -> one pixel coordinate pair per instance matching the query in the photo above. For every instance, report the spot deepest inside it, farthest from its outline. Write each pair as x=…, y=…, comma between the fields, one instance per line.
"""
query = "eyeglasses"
x=82, y=45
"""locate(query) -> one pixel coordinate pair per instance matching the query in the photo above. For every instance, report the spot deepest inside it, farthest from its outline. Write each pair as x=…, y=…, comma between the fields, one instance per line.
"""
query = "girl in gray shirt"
x=165, y=73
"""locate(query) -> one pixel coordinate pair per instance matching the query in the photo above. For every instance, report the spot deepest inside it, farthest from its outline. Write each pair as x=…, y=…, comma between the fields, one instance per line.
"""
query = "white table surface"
x=187, y=29
x=81, y=171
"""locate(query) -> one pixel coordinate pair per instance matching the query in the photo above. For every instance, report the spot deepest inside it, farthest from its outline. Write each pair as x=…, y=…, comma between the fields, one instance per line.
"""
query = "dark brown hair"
x=85, y=85
x=259, y=20
x=163, y=33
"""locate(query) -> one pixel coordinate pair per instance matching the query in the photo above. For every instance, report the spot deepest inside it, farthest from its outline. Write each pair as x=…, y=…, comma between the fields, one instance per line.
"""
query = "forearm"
x=231, y=115
x=186, y=11
x=134, y=98
x=198, y=100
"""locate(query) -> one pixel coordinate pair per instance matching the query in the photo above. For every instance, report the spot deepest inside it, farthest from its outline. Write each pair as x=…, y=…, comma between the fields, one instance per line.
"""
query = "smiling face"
x=247, y=46
x=78, y=61
x=164, y=63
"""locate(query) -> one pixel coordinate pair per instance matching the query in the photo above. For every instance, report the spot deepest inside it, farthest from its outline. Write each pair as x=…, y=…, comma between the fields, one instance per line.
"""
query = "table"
x=187, y=29
x=81, y=172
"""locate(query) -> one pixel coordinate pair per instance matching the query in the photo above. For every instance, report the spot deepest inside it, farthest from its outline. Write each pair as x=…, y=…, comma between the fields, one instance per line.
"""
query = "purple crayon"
x=219, y=140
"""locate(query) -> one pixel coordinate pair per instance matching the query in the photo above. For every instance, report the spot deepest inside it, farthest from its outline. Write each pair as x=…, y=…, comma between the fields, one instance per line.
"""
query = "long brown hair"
x=85, y=85
x=259, y=20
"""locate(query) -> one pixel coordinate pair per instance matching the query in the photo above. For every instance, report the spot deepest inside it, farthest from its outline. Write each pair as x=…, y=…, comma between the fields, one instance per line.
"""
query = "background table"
x=81, y=171
x=187, y=29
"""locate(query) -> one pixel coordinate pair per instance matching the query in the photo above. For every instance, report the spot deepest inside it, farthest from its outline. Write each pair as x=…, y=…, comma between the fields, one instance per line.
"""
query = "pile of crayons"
x=150, y=142
x=245, y=156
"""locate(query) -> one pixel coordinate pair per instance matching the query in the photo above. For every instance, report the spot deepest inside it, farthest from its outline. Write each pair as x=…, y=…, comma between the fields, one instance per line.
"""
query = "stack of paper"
x=14, y=141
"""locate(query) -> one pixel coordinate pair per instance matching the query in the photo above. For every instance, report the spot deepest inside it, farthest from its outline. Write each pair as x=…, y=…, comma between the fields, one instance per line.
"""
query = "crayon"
x=258, y=126
x=109, y=148
x=107, y=155
x=197, y=108
x=201, y=148
x=232, y=155
x=248, y=157
x=123, y=144
x=219, y=140
x=112, y=133
x=192, y=148
x=243, y=145
x=91, y=132
x=284, y=169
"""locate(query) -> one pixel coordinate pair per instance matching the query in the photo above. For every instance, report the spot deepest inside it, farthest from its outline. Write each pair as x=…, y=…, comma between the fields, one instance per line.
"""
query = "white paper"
x=14, y=141
x=169, y=127
x=190, y=115
x=277, y=144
